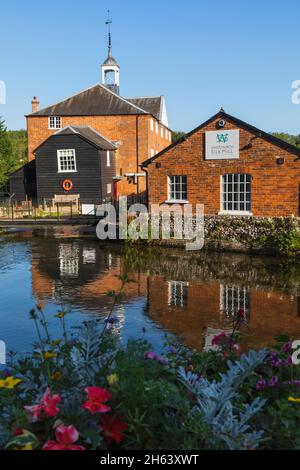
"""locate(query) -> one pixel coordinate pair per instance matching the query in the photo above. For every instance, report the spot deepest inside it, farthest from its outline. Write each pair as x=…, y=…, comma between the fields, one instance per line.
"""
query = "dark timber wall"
x=22, y=183
x=92, y=176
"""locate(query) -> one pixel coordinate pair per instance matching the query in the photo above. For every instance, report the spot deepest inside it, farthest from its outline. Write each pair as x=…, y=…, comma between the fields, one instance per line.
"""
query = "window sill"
x=178, y=201
x=246, y=213
x=67, y=171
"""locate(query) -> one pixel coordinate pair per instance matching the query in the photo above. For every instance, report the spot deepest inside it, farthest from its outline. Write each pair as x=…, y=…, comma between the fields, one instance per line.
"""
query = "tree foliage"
x=13, y=152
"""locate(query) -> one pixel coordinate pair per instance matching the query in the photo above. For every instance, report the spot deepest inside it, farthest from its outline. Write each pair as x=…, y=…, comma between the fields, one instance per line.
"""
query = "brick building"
x=229, y=166
x=137, y=126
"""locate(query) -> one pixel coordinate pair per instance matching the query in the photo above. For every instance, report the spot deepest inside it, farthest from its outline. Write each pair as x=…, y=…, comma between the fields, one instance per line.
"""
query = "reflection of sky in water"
x=175, y=295
x=18, y=331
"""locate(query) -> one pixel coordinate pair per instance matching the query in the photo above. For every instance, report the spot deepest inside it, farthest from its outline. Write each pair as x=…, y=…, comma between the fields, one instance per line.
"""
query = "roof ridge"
x=123, y=99
x=62, y=101
x=143, y=97
x=100, y=135
x=222, y=113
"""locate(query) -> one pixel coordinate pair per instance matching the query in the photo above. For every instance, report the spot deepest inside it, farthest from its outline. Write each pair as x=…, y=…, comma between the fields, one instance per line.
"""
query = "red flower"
x=241, y=313
x=66, y=436
x=47, y=406
x=50, y=403
x=96, y=398
x=113, y=429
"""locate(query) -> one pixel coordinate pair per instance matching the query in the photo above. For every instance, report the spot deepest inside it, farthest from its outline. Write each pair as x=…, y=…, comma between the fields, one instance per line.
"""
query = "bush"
x=86, y=392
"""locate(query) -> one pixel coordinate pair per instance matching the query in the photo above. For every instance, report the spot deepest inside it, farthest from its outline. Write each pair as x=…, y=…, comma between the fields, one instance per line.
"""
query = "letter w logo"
x=222, y=138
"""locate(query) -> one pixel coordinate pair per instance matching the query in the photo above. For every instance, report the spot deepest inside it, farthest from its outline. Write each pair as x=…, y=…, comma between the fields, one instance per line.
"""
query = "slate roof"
x=150, y=104
x=87, y=133
x=95, y=101
x=222, y=115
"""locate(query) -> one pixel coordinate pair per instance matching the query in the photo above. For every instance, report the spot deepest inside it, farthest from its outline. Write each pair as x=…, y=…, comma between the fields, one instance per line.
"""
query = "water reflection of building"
x=192, y=310
x=80, y=274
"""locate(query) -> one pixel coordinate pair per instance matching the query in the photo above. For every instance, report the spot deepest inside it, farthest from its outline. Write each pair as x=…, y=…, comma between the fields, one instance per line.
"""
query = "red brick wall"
x=116, y=128
x=275, y=188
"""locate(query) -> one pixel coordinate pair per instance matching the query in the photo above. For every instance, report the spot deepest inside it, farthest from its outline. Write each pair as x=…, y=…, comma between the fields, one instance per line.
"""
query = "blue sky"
x=200, y=54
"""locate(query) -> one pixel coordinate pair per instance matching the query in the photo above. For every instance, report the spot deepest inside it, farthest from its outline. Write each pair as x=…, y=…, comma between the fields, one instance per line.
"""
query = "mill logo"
x=2, y=353
x=222, y=138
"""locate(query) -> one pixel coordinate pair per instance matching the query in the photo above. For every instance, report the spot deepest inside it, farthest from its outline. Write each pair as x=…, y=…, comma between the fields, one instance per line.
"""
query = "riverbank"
x=241, y=234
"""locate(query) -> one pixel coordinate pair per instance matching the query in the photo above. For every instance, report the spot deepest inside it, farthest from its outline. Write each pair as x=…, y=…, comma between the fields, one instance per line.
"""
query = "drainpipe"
x=137, y=154
x=147, y=182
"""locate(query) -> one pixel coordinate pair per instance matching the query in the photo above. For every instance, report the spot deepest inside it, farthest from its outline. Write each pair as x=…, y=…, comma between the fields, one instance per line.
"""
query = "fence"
x=49, y=210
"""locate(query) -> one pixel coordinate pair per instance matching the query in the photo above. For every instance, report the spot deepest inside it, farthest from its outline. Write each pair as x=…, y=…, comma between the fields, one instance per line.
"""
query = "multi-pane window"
x=108, y=158
x=233, y=299
x=156, y=127
x=162, y=131
x=167, y=134
x=152, y=125
x=66, y=161
x=178, y=294
x=69, y=260
x=177, y=188
x=236, y=192
x=108, y=189
x=54, y=122
x=152, y=152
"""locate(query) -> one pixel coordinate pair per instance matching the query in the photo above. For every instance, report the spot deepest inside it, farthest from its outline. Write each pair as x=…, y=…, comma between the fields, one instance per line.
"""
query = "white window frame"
x=108, y=188
x=59, y=155
x=167, y=134
x=178, y=294
x=55, y=122
x=152, y=152
x=233, y=298
x=107, y=158
x=162, y=132
x=181, y=199
x=237, y=196
x=151, y=124
x=156, y=127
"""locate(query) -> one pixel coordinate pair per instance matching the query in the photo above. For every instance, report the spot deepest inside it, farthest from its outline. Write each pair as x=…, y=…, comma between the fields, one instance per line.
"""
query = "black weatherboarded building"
x=75, y=162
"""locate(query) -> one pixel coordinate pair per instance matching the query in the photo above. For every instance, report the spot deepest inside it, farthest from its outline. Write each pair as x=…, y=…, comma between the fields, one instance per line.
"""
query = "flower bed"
x=85, y=392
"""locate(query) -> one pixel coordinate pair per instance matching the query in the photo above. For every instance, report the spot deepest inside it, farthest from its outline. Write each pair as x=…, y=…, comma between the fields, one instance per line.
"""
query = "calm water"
x=190, y=296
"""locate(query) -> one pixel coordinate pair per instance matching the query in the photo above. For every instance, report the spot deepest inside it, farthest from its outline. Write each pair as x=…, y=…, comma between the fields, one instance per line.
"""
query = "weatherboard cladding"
x=22, y=182
x=95, y=101
x=90, y=181
x=89, y=134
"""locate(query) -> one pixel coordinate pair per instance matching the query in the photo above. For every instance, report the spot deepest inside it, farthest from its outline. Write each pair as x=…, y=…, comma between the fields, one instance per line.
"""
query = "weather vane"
x=109, y=22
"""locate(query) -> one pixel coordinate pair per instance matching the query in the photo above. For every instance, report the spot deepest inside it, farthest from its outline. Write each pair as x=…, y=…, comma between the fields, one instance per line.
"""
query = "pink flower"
x=47, y=406
x=50, y=403
x=34, y=412
x=66, y=436
x=96, y=399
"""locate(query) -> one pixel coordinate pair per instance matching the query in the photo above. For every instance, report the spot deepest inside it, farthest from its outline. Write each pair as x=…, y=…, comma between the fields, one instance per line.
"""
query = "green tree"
x=5, y=155
x=176, y=135
x=291, y=139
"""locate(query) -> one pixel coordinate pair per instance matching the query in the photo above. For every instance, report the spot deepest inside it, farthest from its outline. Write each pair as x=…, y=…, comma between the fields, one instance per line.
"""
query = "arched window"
x=110, y=77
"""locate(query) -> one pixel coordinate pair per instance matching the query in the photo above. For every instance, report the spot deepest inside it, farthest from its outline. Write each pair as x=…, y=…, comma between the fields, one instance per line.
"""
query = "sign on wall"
x=222, y=144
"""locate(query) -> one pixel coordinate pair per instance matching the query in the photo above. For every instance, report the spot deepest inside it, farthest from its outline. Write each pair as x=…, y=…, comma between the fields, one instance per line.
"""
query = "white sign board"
x=222, y=144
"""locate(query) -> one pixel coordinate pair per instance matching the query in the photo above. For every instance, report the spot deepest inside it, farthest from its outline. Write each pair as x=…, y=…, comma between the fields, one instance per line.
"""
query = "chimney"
x=35, y=104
